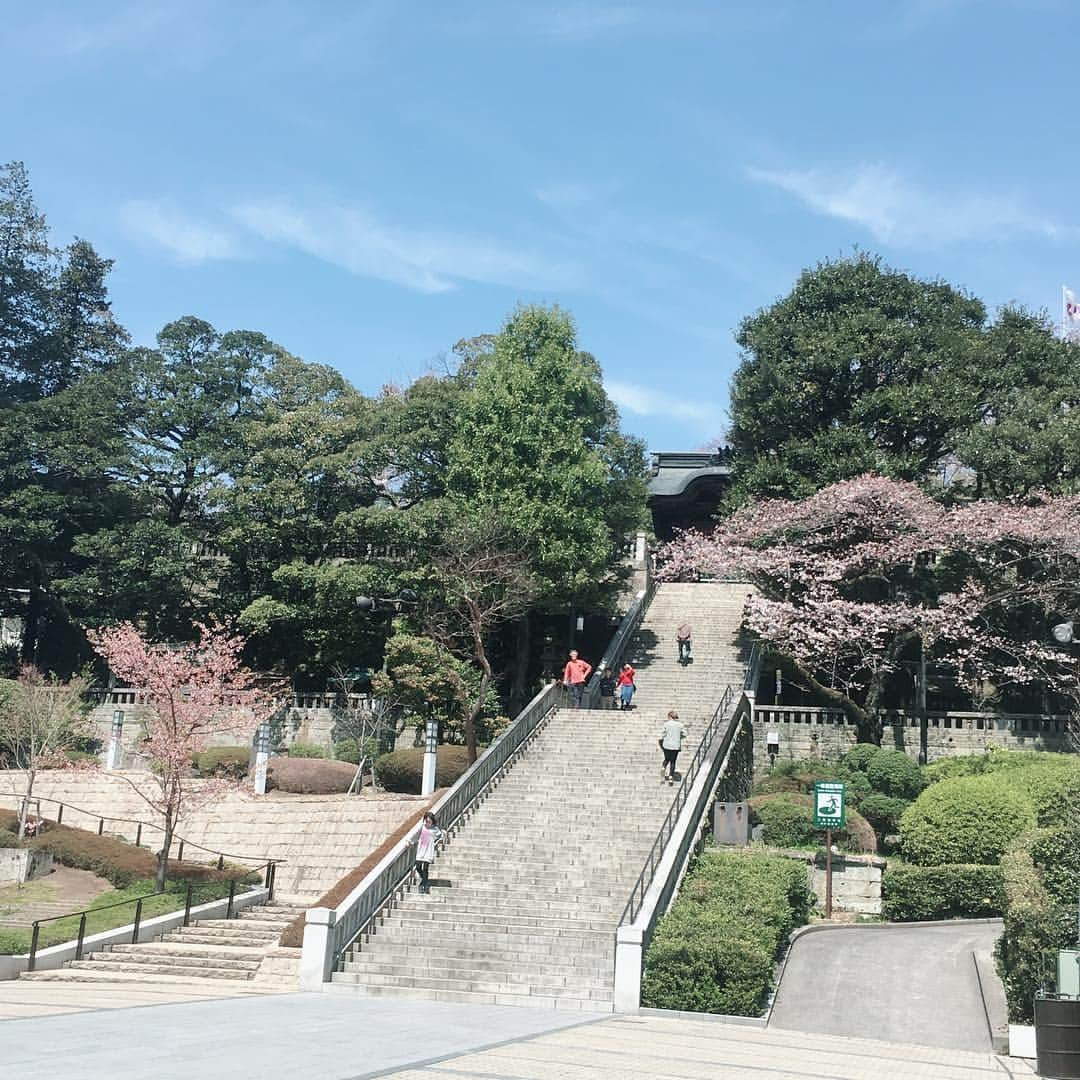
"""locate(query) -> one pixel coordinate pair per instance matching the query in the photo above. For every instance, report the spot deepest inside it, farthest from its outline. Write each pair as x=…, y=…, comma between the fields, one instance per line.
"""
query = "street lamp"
x=1063, y=632
x=115, y=748
x=431, y=750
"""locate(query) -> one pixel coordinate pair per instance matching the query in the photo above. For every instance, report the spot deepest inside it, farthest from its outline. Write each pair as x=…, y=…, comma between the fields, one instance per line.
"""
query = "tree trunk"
x=519, y=692
x=24, y=808
x=868, y=727
x=163, y=854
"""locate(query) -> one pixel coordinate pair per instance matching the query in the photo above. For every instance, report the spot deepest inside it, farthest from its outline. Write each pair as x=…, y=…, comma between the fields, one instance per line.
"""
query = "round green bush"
x=969, y=819
x=224, y=761
x=306, y=750
x=858, y=758
x=352, y=751
x=883, y=812
x=786, y=824
x=892, y=772
x=310, y=776
x=402, y=770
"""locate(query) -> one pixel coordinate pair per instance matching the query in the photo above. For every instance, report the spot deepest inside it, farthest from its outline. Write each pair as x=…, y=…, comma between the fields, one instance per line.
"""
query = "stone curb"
x=812, y=928
x=715, y=1018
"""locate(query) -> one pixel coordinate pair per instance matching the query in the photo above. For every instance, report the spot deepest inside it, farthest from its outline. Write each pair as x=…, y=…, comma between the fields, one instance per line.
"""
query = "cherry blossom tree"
x=39, y=719
x=864, y=574
x=194, y=692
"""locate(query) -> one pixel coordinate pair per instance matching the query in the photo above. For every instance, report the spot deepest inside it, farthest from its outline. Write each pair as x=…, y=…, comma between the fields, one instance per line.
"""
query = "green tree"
x=860, y=368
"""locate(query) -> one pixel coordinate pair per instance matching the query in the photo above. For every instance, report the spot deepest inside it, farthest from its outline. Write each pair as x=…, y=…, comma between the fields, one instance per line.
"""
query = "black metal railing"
x=269, y=871
x=449, y=811
x=180, y=842
x=613, y=655
x=667, y=829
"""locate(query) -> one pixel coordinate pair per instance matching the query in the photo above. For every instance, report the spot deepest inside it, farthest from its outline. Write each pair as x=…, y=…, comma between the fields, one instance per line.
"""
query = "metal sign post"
x=830, y=812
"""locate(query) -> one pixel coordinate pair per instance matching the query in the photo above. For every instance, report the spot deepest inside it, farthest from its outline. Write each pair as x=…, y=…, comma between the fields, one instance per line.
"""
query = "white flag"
x=1070, y=314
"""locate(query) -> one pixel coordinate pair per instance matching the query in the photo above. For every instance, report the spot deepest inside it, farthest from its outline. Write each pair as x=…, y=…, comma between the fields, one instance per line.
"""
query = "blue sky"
x=368, y=182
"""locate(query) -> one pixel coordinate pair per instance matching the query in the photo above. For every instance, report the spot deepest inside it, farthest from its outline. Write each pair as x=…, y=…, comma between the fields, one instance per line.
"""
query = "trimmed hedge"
x=952, y=891
x=1036, y=927
x=892, y=772
x=859, y=757
x=857, y=836
x=402, y=770
x=969, y=819
x=883, y=812
x=232, y=762
x=306, y=750
x=715, y=950
x=118, y=862
x=310, y=776
x=786, y=824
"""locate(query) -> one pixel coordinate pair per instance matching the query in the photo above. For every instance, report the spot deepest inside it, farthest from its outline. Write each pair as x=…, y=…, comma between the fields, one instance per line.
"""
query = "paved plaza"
x=343, y=1037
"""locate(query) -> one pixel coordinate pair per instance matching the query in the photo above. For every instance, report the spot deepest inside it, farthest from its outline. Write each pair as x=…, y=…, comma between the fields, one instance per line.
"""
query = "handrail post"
x=60, y=815
x=187, y=904
x=221, y=861
x=180, y=851
x=138, y=835
x=138, y=919
x=100, y=826
x=232, y=894
x=33, y=946
x=82, y=934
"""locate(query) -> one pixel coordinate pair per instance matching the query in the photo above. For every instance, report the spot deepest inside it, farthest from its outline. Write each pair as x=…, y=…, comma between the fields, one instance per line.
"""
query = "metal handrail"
x=628, y=626
x=753, y=668
x=449, y=810
x=656, y=852
x=268, y=884
x=102, y=818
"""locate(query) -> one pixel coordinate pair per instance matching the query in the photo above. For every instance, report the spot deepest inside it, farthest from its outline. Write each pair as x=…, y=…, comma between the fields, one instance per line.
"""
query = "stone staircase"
x=527, y=895
x=200, y=954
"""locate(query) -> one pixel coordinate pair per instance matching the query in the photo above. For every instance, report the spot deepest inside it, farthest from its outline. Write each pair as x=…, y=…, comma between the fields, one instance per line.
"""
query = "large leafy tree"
x=870, y=572
x=859, y=368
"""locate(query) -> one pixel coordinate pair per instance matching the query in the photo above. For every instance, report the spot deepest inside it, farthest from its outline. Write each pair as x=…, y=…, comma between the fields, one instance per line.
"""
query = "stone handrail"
x=958, y=719
x=317, y=699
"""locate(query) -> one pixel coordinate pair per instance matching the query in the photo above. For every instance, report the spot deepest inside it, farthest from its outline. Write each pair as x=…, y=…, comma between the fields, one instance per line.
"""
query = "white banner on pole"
x=1070, y=315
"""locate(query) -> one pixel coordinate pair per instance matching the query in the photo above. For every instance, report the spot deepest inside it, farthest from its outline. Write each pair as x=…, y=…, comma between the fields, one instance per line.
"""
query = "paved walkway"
x=911, y=984
x=341, y=1037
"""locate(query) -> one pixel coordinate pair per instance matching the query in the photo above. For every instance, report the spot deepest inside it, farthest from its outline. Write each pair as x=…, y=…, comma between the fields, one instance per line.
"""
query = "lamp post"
x=431, y=749
x=114, y=757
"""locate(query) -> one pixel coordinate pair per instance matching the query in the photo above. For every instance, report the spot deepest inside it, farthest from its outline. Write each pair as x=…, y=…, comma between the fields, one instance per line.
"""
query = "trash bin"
x=1057, y=1037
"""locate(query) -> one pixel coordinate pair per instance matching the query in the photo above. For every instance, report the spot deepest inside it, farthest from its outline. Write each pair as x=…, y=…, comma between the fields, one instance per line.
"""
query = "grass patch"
x=32, y=892
x=104, y=916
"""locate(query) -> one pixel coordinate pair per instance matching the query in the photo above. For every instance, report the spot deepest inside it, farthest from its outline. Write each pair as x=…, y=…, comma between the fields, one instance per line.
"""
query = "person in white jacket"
x=671, y=738
x=426, y=839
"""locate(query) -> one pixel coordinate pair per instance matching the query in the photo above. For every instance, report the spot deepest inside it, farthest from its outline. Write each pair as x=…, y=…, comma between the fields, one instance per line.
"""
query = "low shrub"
x=892, y=772
x=232, y=762
x=858, y=836
x=9, y=838
x=884, y=813
x=858, y=758
x=1036, y=927
x=969, y=819
x=352, y=751
x=402, y=770
x=786, y=824
x=951, y=891
x=118, y=862
x=715, y=950
x=310, y=776
x=307, y=750
x=1055, y=852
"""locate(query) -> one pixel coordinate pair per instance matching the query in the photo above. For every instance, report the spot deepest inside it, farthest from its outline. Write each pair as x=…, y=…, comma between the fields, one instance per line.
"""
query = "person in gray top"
x=671, y=739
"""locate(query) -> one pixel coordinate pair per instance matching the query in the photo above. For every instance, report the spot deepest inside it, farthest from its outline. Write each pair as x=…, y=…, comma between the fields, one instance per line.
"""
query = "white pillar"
x=431, y=747
x=639, y=549
x=262, y=757
x=115, y=755
x=316, y=958
x=628, y=949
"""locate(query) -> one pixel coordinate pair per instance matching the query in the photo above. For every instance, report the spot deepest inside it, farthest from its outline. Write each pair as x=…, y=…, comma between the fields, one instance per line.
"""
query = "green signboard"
x=830, y=805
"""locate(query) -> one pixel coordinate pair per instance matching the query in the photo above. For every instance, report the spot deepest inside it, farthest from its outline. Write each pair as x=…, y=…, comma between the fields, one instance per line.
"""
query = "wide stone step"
x=173, y=960
x=343, y=984
x=422, y=932
x=102, y=973
x=445, y=903
x=205, y=972
x=246, y=926
x=465, y=916
x=475, y=986
x=195, y=937
x=389, y=955
x=525, y=970
x=183, y=948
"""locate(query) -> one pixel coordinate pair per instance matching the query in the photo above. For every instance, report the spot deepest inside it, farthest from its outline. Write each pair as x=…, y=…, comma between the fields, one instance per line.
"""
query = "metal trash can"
x=1057, y=1037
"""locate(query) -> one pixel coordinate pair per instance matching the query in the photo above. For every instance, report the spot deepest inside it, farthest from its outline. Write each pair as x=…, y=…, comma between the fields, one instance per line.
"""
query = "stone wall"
x=21, y=864
x=824, y=733
x=856, y=883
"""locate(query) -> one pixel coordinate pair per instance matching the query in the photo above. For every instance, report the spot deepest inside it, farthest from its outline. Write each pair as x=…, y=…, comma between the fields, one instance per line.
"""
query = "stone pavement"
x=341, y=1037
x=910, y=984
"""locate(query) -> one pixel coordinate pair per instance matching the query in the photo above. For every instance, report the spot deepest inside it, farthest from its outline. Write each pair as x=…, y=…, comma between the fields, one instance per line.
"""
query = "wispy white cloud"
x=429, y=261
x=648, y=401
x=183, y=237
x=893, y=209
x=582, y=21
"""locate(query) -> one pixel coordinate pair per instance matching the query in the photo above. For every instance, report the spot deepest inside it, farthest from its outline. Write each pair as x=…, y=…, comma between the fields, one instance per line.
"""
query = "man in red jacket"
x=575, y=675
